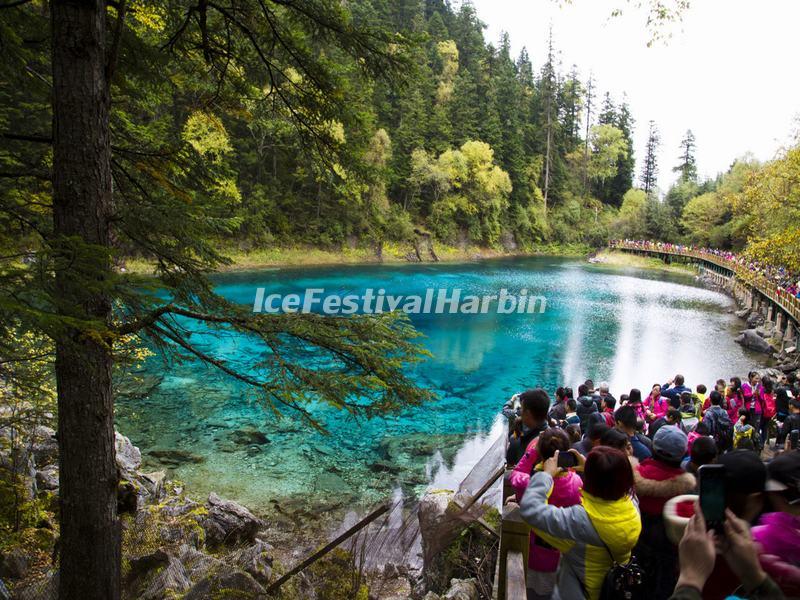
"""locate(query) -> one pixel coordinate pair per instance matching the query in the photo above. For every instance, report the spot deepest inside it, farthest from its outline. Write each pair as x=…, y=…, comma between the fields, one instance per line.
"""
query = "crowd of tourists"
x=609, y=487
x=784, y=279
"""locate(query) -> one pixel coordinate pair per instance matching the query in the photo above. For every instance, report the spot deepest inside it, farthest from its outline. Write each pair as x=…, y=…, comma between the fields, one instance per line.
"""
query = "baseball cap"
x=670, y=443
x=744, y=471
x=784, y=472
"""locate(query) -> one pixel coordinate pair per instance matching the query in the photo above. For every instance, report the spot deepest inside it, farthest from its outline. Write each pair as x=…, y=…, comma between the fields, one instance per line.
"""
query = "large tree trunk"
x=90, y=536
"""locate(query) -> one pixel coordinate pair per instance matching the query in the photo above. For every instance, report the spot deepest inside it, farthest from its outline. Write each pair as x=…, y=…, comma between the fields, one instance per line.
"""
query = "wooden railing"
x=788, y=303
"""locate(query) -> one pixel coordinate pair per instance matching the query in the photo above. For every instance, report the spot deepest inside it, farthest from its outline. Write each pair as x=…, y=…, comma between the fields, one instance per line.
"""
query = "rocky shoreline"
x=759, y=334
x=176, y=547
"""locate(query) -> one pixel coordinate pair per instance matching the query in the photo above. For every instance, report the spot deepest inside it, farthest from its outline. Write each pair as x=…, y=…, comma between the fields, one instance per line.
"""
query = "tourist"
x=778, y=532
x=782, y=395
x=767, y=403
x=718, y=422
x=752, y=390
x=614, y=438
x=558, y=412
x=635, y=401
x=791, y=423
x=574, y=433
x=543, y=558
x=677, y=388
x=673, y=417
x=699, y=560
x=571, y=417
x=593, y=535
x=655, y=405
x=743, y=431
x=585, y=405
x=703, y=451
x=656, y=480
x=734, y=399
x=700, y=397
x=688, y=411
x=745, y=480
x=608, y=404
x=592, y=439
x=522, y=440
x=603, y=393
x=626, y=422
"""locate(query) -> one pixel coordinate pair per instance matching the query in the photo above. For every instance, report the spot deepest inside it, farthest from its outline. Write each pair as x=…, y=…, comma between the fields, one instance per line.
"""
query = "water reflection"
x=630, y=328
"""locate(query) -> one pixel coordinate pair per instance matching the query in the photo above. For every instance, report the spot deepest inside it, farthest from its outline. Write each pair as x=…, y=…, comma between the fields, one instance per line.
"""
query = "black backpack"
x=622, y=581
x=721, y=429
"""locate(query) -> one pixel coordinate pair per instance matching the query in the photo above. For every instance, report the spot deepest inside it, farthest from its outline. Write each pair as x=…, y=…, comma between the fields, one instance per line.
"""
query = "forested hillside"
x=475, y=145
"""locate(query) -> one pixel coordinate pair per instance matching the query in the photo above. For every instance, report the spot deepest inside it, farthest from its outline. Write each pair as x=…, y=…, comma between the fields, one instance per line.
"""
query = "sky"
x=728, y=71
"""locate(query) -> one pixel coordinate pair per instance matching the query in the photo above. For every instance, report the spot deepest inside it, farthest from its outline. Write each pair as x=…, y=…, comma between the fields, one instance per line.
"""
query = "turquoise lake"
x=630, y=327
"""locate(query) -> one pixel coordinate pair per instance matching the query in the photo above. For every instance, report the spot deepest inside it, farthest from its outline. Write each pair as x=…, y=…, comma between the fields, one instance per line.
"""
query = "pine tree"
x=650, y=167
x=688, y=165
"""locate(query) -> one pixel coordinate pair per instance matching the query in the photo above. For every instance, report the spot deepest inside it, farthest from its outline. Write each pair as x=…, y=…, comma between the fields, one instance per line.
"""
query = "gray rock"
x=198, y=564
x=129, y=458
x=44, y=445
x=168, y=583
x=750, y=339
x=462, y=589
x=14, y=565
x=431, y=596
x=229, y=523
x=47, y=478
x=175, y=458
x=152, y=484
x=743, y=314
x=235, y=584
x=755, y=319
x=257, y=561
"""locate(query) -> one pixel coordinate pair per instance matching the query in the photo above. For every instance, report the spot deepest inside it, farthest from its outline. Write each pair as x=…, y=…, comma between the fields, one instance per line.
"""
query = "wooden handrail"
x=514, y=546
x=789, y=304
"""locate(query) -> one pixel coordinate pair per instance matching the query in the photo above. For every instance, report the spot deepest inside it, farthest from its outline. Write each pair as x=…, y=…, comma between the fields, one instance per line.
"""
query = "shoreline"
x=302, y=256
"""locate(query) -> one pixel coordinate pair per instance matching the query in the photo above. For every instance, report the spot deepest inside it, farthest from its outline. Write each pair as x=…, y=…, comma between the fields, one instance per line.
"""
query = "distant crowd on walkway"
x=610, y=488
x=785, y=280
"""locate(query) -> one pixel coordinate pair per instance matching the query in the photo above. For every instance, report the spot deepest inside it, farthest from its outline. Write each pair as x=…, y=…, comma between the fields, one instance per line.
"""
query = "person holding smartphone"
x=543, y=558
x=594, y=534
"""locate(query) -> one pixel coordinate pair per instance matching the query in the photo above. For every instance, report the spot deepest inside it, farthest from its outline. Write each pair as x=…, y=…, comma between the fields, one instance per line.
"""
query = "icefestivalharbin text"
x=372, y=301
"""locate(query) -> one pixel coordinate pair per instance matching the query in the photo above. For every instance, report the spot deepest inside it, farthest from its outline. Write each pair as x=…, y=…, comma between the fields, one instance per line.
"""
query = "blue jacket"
x=640, y=451
x=674, y=392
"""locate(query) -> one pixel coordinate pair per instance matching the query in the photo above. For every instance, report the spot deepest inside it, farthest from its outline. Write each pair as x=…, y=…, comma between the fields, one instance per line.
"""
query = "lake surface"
x=630, y=327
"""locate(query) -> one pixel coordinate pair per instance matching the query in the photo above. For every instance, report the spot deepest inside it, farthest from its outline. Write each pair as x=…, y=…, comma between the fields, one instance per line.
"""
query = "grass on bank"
x=393, y=253
x=614, y=258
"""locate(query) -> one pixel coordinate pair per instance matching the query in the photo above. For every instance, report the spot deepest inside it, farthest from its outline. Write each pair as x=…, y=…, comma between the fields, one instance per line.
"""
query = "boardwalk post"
x=513, y=555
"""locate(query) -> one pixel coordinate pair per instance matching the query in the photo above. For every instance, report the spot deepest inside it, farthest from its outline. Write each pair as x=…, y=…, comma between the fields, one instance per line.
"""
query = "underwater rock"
x=175, y=457
x=248, y=437
x=229, y=522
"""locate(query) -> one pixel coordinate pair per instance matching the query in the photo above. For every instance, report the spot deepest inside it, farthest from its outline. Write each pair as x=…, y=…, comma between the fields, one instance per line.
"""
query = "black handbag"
x=622, y=581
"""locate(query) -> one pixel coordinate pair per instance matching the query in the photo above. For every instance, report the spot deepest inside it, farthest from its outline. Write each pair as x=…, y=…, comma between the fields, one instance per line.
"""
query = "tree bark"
x=90, y=534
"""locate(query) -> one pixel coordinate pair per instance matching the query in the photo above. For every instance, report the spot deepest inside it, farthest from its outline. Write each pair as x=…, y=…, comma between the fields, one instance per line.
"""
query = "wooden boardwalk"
x=757, y=282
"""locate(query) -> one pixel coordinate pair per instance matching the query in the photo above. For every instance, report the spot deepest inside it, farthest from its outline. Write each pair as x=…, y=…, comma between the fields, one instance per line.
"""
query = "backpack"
x=721, y=428
x=622, y=581
x=742, y=434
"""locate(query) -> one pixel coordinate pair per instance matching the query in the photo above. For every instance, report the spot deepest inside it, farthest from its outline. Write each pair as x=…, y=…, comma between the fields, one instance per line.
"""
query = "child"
x=688, y=412
x=744, y=434
x=699, y=431
x=572, y=415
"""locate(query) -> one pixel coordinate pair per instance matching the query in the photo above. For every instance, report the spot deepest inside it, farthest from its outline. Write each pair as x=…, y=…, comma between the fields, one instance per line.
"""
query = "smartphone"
x=712, y=495
x=793, y=438
x=567, y=460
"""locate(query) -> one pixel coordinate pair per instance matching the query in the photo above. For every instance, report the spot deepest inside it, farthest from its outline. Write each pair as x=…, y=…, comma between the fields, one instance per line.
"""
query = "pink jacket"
x=659, y=408
x=521, y=474
x=566, y=492
x=693, y=435
x=778, y=534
